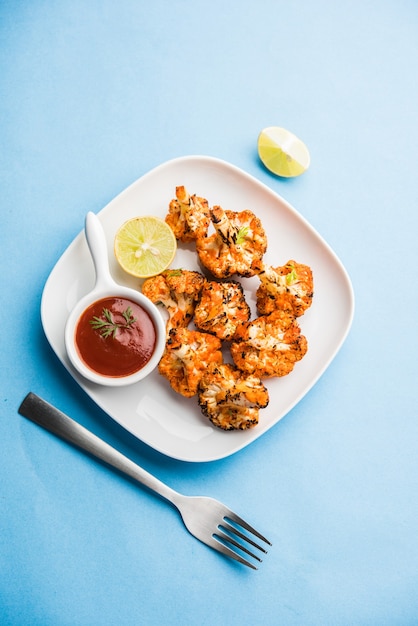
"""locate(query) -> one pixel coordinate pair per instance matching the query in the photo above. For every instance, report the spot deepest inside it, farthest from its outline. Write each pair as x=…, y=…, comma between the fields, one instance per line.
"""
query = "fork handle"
x=44, y=414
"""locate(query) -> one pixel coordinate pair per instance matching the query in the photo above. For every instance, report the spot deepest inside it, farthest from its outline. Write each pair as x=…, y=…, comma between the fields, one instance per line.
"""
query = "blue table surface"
x=94, y=95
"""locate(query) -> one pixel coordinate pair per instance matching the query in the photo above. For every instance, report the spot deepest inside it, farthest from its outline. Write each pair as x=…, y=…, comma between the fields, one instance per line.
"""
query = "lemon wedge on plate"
x=282, y=152
x=145, y=246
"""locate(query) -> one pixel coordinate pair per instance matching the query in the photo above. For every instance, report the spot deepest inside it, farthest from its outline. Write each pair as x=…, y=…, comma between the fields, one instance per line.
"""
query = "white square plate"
x=150, y=409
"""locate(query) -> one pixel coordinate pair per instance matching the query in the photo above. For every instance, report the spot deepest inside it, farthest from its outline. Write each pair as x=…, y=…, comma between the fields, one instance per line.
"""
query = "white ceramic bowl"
x=106, y=287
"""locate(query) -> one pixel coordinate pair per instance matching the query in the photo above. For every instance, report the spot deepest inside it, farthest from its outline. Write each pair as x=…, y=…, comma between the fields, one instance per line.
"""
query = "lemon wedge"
x=145, y=246
x=282, y=152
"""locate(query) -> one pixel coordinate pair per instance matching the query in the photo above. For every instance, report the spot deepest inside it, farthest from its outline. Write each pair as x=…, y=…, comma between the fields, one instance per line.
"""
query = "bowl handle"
x=98, y=248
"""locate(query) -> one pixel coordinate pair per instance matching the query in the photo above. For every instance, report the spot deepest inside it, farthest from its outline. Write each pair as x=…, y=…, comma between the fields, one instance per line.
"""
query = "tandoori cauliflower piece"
x=178, y=291
x=221, y=308
x=188, y=216
x=289, y=288
x=269, y=346
x=187, y=356
x=236, y=247
x=230, y=398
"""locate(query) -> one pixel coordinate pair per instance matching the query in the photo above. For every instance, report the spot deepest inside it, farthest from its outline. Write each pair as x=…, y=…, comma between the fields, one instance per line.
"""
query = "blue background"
x=95, y=94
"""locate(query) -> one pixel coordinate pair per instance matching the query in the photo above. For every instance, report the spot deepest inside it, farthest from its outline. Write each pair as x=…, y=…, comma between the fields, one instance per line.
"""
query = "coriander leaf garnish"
x=108, y=326
x=291, y=277
x=241, y=234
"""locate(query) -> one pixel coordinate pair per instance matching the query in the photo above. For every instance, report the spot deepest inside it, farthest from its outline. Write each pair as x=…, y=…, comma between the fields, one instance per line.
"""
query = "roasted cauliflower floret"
x=289, y=288
x=231, y=399
x=236, y=247
x=188, y=216
x=269, y=346
x=178, y=291
x=187, y=356
x=221, y=308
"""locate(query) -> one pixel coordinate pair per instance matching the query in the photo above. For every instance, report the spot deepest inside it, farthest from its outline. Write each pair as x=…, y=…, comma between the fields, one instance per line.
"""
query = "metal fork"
x=207, y=519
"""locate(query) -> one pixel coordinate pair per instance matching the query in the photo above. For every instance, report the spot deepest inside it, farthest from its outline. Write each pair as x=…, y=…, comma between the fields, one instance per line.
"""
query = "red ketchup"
x=115, y=337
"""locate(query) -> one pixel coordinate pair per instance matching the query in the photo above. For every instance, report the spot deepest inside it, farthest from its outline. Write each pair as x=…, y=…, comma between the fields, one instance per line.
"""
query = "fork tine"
x=228, y=533
x=228, y=539
x=218, y=545
x=235, y=531
x=236, y=519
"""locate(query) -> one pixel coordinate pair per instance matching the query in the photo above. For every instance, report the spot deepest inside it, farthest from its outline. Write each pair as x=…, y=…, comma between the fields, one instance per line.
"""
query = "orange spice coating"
x=236, y=247
x=188, y=216
x=178, y=292
x=269, y=346
x=187, y=356
x=231, y=399
x=221, y=308
x=288, y=287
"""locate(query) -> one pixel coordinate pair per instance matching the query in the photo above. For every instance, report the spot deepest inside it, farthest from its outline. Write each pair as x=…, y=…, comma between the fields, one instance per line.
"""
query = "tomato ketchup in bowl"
x=114, y=335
